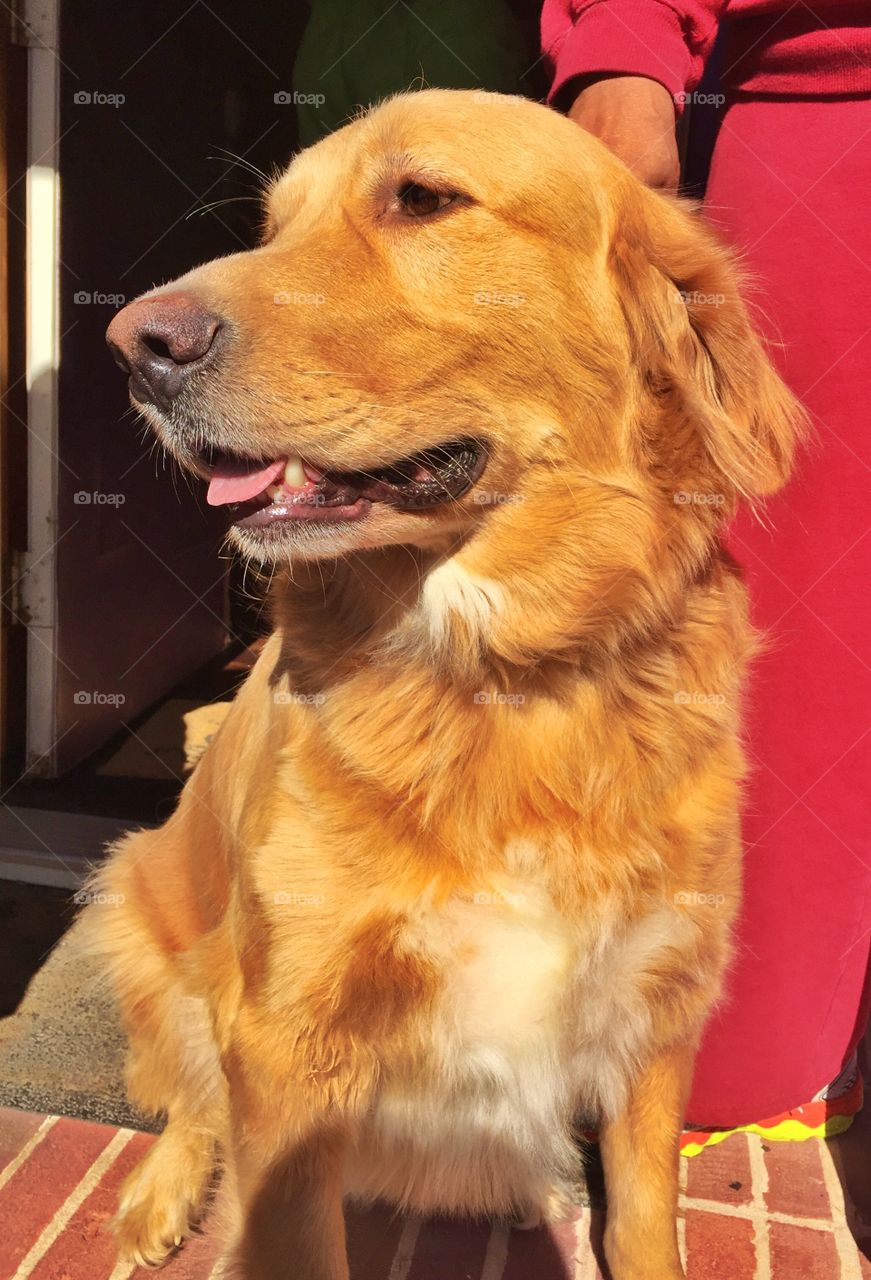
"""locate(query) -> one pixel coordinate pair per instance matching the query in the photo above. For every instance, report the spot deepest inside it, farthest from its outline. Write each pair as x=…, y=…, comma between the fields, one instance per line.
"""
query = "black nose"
x=160, y=341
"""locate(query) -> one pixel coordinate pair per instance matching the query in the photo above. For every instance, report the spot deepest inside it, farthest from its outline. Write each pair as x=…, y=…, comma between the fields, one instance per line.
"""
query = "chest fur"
x=537, y=1019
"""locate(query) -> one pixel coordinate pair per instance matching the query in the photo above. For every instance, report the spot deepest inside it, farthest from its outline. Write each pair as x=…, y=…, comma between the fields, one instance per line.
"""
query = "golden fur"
x=462, y=861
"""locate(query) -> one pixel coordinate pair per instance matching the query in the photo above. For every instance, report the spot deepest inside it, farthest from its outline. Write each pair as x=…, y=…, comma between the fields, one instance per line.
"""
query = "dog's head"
x=469, y=329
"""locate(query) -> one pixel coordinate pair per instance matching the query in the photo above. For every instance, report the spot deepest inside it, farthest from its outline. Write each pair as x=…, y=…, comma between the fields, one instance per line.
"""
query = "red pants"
x=791, y=188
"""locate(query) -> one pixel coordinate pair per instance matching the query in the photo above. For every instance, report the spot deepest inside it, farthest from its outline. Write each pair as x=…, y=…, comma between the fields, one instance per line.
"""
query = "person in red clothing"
x=790, y=186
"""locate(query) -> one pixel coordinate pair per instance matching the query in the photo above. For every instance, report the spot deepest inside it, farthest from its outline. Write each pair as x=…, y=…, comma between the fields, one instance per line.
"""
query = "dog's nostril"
x=157, y=346
x=179, y=339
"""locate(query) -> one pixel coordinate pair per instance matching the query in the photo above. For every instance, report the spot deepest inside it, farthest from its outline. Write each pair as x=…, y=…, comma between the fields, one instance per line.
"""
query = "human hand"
x=635, y=117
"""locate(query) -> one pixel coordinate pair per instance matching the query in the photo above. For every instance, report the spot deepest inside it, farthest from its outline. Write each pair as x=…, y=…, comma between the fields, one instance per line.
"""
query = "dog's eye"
x=420, y=201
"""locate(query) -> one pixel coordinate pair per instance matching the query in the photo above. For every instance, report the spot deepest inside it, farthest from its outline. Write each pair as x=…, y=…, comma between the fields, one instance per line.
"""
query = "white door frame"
x=40, y=31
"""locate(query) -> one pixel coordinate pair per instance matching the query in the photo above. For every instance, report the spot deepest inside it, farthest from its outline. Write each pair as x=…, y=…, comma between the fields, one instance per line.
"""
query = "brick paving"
x=750, y=1210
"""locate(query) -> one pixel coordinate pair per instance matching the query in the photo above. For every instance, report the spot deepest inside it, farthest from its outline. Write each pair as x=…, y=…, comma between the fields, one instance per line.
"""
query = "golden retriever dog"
x=460, y=866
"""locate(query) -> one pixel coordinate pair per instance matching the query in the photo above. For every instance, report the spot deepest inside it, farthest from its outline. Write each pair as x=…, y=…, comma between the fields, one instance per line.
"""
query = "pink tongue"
x=228, y=484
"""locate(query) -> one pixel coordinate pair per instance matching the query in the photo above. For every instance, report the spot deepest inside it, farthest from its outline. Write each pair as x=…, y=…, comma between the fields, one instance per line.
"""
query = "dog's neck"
x=379, y=649
x=471, y=627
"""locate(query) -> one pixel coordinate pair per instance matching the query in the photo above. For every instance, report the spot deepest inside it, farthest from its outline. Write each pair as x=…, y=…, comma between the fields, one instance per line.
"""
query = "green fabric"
x=356, y=52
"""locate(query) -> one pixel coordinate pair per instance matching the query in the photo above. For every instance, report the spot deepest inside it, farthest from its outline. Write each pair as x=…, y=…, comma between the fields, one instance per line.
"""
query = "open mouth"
x=263, y=493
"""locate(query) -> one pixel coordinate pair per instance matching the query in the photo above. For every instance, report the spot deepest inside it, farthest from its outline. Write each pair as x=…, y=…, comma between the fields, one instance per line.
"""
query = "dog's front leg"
x=640, y=1152
x=289, y=1202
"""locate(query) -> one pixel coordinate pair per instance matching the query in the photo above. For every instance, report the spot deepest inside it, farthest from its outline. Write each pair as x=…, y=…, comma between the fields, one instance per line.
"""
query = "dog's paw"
x=159, y=1202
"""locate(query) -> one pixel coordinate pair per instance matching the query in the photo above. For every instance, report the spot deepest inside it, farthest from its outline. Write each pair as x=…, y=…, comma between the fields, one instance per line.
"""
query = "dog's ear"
x=695, y=343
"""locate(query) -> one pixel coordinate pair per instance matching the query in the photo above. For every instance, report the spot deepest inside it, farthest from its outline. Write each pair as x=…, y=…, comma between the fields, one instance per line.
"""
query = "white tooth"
x=294, y=476
x=273, y=491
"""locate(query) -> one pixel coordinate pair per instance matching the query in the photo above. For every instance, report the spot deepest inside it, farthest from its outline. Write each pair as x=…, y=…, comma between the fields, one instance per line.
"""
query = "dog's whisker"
x=242, y=161
x=217, y=204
